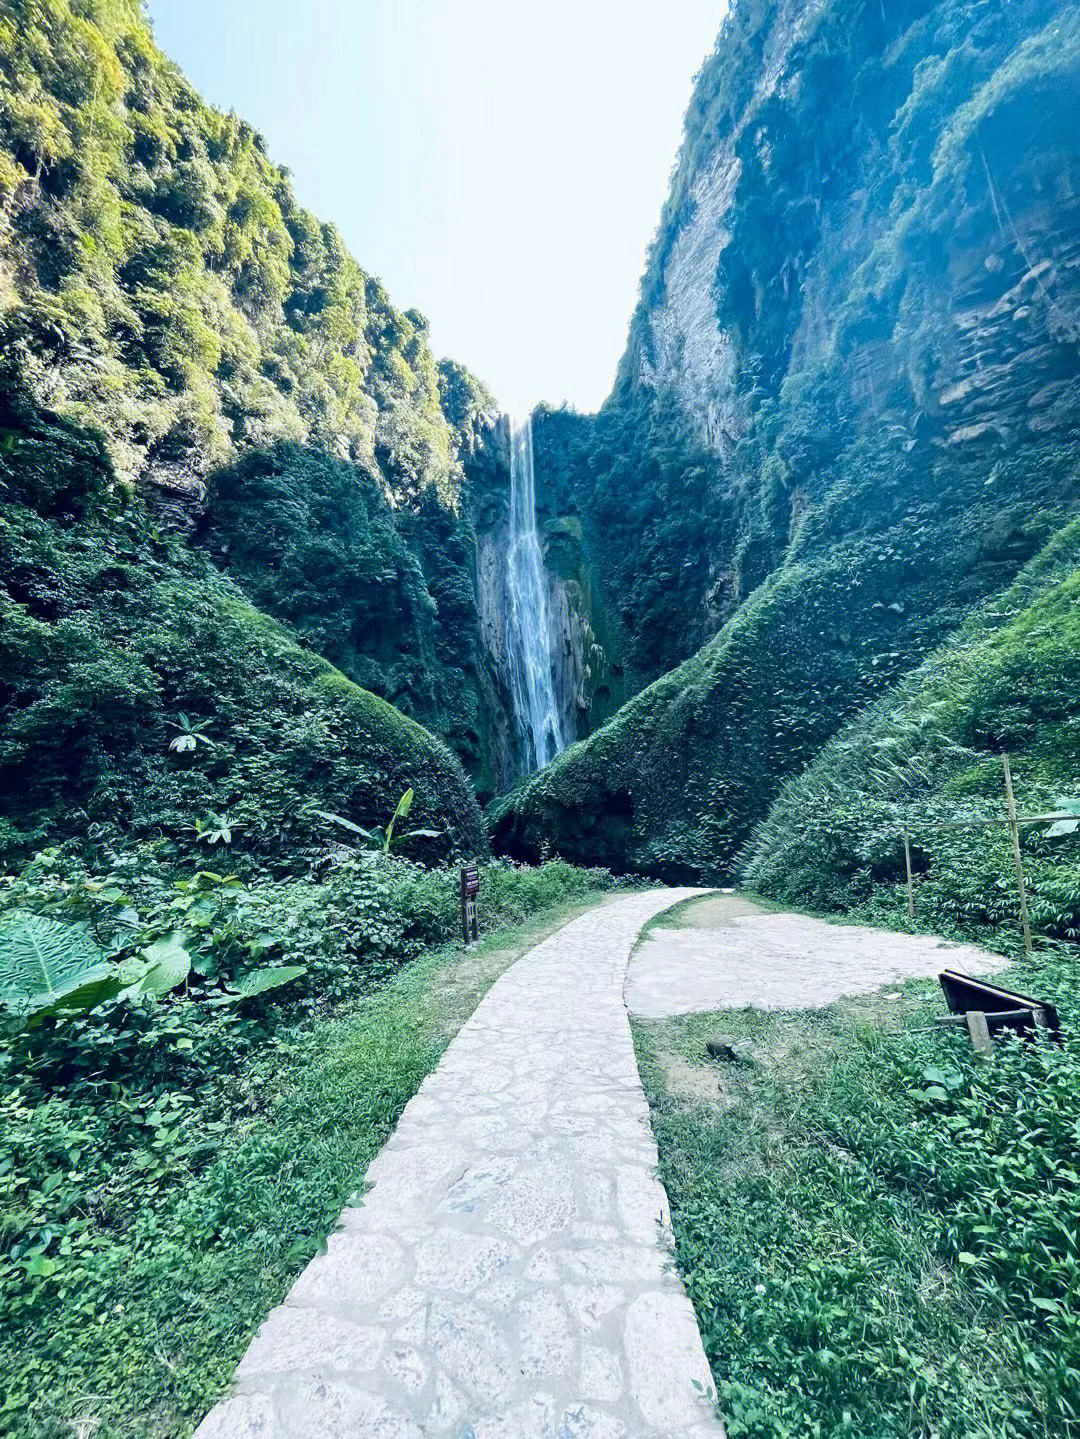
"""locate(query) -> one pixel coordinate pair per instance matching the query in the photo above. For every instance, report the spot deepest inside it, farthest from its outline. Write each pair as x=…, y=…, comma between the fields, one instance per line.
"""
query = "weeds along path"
x=508, y=1272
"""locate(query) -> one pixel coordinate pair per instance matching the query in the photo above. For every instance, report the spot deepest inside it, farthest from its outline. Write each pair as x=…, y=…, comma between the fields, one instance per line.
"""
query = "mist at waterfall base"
x=528, y=637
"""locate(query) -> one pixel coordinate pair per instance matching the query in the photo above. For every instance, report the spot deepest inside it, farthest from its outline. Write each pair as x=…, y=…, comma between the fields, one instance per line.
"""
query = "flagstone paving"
x=508, y=1274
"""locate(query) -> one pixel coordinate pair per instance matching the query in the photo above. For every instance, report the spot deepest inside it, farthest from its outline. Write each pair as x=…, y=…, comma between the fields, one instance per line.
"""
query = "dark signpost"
x=470, y=890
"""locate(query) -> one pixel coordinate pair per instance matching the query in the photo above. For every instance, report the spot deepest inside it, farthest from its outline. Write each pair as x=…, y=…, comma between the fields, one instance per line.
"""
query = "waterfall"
x=528, y=639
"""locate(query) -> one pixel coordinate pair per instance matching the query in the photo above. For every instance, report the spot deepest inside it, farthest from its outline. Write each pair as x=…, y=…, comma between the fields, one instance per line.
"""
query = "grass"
x=150, y=1342
x=877, y=1230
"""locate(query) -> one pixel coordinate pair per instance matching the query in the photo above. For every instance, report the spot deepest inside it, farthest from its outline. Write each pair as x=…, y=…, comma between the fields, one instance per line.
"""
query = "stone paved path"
x=508, y=1275
x=733, y=954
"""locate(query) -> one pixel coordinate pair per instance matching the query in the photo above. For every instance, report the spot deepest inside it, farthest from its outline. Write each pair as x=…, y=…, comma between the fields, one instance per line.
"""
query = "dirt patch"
x=696, y=1083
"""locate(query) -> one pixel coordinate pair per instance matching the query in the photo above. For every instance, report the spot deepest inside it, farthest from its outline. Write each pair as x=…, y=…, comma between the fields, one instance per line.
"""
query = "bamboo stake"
x=907, y=866
x=1014, y=834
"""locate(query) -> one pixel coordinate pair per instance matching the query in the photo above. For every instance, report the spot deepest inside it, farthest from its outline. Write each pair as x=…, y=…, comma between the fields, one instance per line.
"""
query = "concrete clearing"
x=727, y=953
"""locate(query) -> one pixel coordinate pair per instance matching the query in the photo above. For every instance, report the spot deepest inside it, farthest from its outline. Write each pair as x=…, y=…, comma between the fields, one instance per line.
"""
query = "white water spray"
x=528, y=639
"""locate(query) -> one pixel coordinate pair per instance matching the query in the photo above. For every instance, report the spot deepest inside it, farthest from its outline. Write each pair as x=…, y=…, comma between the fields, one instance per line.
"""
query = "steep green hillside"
x=931, y=751
x=273, y=433
x=159, y=283
x=859, y=326
x=114, y=638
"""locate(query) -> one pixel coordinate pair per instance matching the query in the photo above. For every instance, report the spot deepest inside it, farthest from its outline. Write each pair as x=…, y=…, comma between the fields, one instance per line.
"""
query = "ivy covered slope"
x=273, y=432
x=931, y=751
x=860, y=321
x=116, y=639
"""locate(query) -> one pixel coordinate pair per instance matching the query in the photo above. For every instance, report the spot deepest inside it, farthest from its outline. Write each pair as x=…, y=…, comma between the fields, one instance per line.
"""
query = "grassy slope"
x=877, y=1231
x=931, y=750
x=143, y=1321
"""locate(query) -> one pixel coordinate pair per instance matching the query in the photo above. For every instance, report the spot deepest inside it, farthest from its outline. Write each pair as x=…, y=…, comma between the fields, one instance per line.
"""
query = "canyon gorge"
x=237, y=484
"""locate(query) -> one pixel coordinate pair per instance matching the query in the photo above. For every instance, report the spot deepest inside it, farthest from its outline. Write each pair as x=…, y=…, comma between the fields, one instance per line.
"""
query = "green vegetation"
x=160, y=281
x=823, y=535
x=386, y=594
x=169, y=1162
x=930, y=751
x=113, y=631
x=881, y=435
x=878, y=1230
x=257, y=392
x=672, y=783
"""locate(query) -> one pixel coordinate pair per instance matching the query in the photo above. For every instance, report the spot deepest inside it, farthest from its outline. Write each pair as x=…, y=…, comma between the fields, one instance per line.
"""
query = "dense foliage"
x=168, y=1164
x=256, y=390
x=879, y=1230
x=160, y=280
x=388, y=596
x=866, y=426
x=930, y=752
x=114, y=635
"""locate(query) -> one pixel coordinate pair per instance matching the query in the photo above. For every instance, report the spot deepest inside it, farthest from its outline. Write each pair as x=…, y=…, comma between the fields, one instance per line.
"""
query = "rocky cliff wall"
x=847, y=411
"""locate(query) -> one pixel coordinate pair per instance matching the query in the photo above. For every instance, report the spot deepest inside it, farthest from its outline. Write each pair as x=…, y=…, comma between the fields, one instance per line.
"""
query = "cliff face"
x=847, y=411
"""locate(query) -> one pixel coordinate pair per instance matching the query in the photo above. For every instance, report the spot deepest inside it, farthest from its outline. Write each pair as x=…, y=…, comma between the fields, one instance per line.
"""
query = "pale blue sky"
x=500, y=165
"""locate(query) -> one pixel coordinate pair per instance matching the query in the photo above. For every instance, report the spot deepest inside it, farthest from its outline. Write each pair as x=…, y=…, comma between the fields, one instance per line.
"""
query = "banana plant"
x=378, y=837
x=190, y=735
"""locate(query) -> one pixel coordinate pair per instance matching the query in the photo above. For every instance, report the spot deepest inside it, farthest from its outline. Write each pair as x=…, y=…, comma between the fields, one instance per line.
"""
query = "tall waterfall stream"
x=528, y=637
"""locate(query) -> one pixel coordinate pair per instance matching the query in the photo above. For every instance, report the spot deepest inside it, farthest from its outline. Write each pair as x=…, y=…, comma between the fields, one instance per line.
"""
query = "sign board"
x=470, y=914
x=1002, y=1008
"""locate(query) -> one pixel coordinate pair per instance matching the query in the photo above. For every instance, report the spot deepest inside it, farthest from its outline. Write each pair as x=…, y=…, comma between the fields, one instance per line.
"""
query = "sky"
x=500, y=165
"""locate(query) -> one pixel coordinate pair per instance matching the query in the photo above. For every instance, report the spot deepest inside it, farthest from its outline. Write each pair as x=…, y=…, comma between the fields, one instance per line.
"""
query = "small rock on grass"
x=730, y=1050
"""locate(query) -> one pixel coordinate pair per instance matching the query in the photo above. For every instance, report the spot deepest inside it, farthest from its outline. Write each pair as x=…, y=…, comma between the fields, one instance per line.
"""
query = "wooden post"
x=910, y=889
x=470, y=911
x=1014, y=833
x=979, y=1031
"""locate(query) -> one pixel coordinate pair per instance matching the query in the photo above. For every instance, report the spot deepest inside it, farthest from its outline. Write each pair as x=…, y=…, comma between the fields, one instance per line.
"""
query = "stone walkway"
x=508, y=1274
x=732, y=954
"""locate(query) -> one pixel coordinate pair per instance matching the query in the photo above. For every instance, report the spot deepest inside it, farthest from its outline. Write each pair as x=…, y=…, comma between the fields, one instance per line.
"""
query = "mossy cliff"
x=276, y=439
x=847, y=413
x=112, y=633
x=930, y=751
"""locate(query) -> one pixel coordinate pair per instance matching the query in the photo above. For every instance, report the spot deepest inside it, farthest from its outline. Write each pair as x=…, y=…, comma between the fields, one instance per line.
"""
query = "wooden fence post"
x=1014, y=833
x=910, y=889
x=979, y=1031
